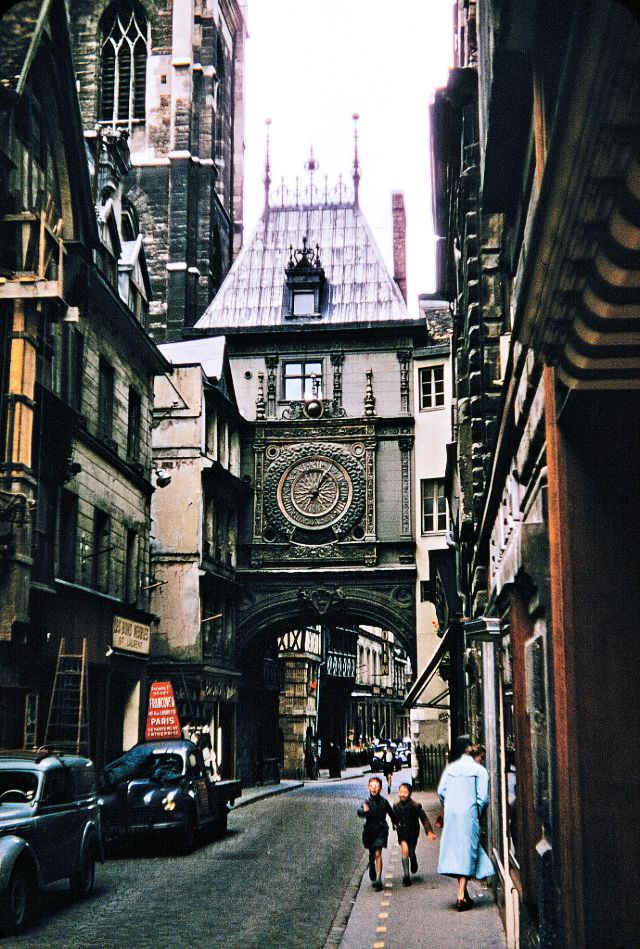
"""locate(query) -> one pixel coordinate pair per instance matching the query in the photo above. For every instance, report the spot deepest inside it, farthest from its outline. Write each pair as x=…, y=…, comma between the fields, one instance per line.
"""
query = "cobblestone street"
x=276, y=880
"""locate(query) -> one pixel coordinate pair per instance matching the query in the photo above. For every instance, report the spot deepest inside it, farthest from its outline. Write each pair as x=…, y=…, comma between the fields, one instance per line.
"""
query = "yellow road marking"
x=386, y=902
x=381, y=929
x=383, y=916
x=378, y=945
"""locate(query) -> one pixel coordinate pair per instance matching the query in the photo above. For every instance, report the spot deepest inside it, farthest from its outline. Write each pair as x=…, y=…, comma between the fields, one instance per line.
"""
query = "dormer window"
x=304, y=303
x=304, y=282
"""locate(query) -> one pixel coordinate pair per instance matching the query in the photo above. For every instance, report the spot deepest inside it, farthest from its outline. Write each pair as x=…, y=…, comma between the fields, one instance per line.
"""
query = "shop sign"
x=162, y=714
x=132, y=636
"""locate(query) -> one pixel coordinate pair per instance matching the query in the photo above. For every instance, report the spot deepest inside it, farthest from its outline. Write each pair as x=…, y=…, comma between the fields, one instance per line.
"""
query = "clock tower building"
x=320, y=344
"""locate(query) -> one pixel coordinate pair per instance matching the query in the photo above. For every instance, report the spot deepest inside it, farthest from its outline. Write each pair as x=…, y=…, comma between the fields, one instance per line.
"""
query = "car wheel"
x=16, y=903
x=83, y=881
x=187, y=839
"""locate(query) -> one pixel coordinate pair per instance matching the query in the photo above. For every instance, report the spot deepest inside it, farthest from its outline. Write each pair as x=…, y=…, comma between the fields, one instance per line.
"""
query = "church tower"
x=168, y=75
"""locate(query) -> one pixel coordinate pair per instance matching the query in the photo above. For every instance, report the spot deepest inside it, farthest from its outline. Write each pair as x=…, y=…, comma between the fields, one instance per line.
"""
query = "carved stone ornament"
x=322, y=598
x=313, y=409
x=317, y=487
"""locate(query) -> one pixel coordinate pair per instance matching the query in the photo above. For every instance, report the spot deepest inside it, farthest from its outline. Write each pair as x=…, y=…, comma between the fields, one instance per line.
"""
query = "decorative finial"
x=356, y=161
x=267, y=166
x=260, y=403
x=369, y=398
x=311, y=165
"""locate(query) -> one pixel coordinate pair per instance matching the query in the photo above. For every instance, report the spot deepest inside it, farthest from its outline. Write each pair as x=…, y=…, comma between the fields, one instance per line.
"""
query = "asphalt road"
x=275, y=882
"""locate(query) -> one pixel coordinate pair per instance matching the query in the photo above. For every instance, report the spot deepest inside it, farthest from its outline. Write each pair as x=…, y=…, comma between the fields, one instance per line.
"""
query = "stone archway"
x=275, y=603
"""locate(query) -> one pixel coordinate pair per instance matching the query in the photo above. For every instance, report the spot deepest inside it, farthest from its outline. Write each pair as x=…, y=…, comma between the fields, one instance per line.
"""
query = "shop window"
x=299, y=379
x=433, y=506
x=431, y=387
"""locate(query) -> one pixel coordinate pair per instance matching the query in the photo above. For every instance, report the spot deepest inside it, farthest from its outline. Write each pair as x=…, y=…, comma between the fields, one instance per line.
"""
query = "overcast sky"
x=310, y=66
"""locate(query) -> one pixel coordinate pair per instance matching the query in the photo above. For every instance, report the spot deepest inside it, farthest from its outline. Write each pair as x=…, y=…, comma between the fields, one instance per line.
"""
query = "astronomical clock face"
x=315, y=493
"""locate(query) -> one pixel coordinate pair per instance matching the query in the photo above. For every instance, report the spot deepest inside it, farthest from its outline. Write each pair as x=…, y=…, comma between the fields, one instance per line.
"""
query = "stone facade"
x=537, y=205
x=186, y=141
x=196, y=444
x=76, y=460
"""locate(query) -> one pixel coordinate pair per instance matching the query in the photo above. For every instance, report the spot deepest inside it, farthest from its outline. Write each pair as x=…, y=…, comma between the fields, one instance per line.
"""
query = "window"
x=133, y=424
x=67, y=535
x=124, y=63
x=434, y=506
x=101, y=560
x=131, y=568
x=304, y=303
x=299, y=378
x=431, y=387
x=72, y=366
x=105, y=399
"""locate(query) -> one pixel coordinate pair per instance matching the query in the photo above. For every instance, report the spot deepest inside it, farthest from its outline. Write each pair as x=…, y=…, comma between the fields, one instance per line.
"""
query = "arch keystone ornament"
x=322, y=598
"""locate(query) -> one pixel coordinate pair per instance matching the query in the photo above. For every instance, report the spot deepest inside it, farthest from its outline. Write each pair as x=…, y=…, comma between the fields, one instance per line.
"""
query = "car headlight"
x=169, y=802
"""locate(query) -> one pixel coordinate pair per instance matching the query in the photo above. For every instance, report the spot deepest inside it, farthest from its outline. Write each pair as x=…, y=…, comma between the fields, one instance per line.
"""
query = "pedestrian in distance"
x=375, y=833
x=388, y=766
x=409, y=815
x=464, y=792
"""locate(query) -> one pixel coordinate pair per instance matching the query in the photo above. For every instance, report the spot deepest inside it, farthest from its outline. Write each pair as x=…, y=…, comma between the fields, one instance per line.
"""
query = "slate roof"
x=360, y=288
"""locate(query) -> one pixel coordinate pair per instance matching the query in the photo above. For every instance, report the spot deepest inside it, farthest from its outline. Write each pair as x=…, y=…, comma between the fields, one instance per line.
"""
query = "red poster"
x=162, y=714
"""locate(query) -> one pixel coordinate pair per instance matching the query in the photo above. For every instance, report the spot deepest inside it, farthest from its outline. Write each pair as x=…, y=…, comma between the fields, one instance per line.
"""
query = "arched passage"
x=291, y=693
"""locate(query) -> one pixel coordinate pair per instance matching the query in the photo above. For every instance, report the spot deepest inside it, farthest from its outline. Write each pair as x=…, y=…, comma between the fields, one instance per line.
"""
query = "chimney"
x=399, y=242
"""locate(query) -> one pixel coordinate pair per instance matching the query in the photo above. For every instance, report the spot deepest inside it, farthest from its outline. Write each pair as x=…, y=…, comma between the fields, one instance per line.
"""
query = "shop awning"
x=429, y=670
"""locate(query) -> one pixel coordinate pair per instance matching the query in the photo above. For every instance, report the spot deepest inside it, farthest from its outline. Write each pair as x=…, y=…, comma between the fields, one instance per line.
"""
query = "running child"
x=409, y=814
x=375, y=833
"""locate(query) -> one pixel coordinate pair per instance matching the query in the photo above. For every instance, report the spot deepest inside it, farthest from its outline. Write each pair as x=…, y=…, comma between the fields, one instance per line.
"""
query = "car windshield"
x=143, y=763
x=18, y=786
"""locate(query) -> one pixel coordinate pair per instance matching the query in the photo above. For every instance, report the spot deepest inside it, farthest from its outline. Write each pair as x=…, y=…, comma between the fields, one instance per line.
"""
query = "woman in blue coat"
x=464, y=792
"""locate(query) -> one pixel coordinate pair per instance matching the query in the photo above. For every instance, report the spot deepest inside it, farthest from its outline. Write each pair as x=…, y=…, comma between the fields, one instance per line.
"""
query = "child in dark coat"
x=375, y=833
x=409, y=814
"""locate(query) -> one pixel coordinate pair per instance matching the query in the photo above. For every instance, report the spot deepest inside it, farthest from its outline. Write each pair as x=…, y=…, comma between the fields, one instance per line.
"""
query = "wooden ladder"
x=68, y=720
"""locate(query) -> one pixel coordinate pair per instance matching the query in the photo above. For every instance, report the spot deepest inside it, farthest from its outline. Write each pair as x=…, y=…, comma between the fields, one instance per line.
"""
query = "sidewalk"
x=420, y=916
x=249, y=795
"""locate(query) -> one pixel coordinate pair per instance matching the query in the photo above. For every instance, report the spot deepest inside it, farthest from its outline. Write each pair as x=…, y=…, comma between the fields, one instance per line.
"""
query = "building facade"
x=78, y=369
x=320, y=344
x=536, y=166
x=196, y=447
x=170, y=74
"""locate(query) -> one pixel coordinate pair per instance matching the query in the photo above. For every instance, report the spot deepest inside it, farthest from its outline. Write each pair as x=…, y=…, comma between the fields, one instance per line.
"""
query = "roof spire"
x=356, y=162
x=267, y=167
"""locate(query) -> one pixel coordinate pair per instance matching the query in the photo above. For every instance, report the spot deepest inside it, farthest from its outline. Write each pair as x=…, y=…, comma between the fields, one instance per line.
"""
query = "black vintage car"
x=49, y=829
x=164, y=786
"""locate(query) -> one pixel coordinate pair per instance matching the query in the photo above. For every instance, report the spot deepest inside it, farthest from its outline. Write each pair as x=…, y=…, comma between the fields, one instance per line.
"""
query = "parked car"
x=49, y=829
x=164, y=786
x=403, y=753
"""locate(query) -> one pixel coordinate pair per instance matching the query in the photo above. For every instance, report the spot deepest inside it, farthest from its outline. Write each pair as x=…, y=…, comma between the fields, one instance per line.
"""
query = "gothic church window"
x=124, y=63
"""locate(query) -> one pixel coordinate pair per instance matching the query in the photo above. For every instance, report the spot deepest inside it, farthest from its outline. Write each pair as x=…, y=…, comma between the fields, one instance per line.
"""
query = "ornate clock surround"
x=314, y=491
x=314, y=488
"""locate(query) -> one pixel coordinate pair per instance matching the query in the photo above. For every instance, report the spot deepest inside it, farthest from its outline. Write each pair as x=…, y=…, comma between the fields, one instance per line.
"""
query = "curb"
x=276, y=789
x=341, y=919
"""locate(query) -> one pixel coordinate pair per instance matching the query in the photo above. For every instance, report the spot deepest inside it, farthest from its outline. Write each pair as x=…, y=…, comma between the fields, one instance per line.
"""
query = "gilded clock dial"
x=315, y=492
